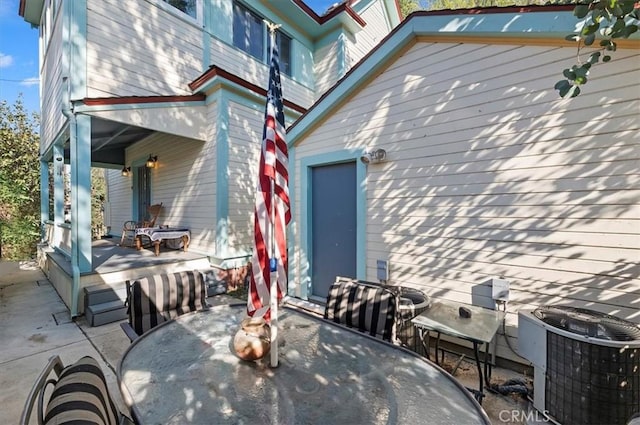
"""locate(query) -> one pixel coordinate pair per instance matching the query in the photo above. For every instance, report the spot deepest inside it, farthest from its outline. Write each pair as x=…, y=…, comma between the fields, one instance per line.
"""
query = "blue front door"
x=333, y=225
x=141, y=192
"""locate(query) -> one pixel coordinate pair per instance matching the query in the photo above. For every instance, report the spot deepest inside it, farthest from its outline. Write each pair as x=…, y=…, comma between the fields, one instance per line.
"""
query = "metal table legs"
x=483, y=376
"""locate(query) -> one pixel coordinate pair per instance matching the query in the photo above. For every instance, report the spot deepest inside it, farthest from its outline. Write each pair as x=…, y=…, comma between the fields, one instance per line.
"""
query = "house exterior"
x=488, y=172
x=184, y=83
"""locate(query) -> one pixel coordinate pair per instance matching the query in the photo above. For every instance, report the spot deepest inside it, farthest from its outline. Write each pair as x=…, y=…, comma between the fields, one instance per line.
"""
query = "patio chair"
x=129, y=227
x=79, y=395
x=369, y=308
x=157, y=299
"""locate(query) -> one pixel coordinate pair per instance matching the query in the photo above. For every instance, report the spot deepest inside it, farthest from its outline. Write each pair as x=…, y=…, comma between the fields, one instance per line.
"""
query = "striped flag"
x=272, y=213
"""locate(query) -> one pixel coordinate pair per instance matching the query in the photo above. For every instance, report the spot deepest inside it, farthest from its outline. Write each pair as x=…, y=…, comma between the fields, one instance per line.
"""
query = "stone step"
x=103, y=313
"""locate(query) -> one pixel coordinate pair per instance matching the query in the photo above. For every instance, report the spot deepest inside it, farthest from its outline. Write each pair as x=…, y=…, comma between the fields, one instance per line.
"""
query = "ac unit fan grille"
x=589, y=323
x=590, y=384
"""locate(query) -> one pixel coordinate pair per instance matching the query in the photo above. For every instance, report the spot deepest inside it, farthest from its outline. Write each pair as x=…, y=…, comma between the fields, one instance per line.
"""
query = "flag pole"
x=273, y=261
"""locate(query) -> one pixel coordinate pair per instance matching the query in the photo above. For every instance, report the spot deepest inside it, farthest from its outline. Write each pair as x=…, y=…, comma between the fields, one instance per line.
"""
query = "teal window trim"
x=247, y=17
x=138, y=162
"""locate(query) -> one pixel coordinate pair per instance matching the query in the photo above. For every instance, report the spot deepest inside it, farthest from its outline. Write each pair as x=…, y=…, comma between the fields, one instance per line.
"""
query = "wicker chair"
x=129, y=228
x=79, y=395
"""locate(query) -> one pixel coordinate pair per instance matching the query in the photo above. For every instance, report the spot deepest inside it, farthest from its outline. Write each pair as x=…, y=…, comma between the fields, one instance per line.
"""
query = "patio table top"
x=184, y=371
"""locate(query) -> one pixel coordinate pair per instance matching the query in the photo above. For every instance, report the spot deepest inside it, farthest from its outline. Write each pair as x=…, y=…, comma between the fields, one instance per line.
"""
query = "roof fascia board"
x=31, y=11
x=89, y=105
x=215, y=76
x=526, y=25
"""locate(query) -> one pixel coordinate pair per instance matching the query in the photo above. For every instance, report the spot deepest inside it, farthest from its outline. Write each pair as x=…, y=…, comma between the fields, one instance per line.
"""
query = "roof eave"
x=31, y=11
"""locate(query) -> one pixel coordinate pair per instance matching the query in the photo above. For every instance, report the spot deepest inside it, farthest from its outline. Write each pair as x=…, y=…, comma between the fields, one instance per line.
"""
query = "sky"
x=19, y=54
x=18, y=57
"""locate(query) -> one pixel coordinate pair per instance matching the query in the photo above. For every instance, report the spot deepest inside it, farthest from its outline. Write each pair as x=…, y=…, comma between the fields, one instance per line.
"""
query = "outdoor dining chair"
x=79, y=395
x=129, y=227
x=369, y=308
x=156, y=299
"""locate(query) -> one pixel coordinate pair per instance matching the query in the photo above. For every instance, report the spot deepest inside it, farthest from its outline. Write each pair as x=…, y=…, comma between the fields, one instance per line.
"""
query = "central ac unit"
x=586, y=364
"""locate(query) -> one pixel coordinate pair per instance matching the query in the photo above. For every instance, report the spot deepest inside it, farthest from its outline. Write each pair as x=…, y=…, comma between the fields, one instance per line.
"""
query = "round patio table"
x=184, y=371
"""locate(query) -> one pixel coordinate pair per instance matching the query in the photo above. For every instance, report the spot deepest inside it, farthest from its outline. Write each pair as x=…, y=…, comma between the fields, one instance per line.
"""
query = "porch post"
x=80, y=204
x=58, y=194
x=44, y=198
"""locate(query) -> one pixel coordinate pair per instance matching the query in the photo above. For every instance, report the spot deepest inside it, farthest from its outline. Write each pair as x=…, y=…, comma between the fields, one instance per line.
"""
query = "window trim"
x=164, y=5
x=266, y=53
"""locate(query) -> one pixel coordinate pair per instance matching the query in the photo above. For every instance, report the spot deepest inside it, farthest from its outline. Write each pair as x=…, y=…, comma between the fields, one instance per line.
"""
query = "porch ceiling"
x=109, y=140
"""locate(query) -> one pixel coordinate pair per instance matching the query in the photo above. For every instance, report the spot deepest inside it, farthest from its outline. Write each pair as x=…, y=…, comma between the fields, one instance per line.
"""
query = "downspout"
x=67, y=111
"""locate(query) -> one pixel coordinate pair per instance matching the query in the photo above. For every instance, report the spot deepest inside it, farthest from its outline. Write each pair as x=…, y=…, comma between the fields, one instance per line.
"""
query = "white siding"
x=326, y=67
x=140, y=50
x=51, y=118
x=184, y=180
x=490, y=173
x=245, y=134
x=248, y=68
x=119, y=200
x=376, y=29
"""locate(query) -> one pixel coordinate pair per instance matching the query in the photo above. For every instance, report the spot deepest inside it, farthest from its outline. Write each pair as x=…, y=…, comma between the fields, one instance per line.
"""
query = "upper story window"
x=189, y=7
x=250, y=33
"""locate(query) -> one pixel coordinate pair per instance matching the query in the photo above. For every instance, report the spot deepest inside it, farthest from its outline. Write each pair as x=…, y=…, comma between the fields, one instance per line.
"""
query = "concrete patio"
x=37, y=325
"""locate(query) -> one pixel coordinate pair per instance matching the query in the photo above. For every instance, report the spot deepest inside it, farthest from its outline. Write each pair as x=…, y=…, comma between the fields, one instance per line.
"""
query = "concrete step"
x=98, y=294
x=103, y=313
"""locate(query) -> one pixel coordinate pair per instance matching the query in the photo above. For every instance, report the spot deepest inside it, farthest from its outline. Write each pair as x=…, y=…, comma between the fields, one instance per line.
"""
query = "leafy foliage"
x=19, y=181
x=612, y=19
x=98, y=193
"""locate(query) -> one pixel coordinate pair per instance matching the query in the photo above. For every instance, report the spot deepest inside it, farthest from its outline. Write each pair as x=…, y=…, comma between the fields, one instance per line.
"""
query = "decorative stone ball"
x=253, y=339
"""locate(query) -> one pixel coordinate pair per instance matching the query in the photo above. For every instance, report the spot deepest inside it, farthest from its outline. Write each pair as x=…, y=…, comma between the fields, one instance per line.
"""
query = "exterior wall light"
x=151, y=162
x=125, y=171
x=373, y=156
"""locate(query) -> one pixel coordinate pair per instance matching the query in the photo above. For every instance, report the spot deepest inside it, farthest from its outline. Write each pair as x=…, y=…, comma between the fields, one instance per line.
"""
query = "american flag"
x=272, y=213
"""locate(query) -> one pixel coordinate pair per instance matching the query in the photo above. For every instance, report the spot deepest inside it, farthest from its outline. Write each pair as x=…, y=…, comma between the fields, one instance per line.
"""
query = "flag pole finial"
x=272, y=27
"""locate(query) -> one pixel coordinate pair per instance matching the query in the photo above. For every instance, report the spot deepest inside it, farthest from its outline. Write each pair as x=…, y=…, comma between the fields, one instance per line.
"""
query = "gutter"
x=75, y=266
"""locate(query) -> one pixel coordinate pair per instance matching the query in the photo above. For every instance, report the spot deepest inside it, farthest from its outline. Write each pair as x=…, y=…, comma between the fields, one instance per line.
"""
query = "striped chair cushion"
x=157, y=299
x=368, y=308
x=81, y=396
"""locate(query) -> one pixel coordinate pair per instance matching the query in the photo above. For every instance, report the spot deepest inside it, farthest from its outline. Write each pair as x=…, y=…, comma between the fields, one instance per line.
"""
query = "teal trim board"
x=222, y=174
x=44, y=197
x=78, y=49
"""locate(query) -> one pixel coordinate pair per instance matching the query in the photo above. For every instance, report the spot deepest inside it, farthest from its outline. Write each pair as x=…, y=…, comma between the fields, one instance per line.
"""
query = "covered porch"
x=112, y=265
x=97, y=134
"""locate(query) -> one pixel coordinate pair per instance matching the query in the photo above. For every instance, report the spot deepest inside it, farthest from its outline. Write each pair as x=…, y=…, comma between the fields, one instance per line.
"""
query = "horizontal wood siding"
x=51, y=118
x=490, y=173
x=119, y=194
x=248, y=68
x=245, y=135
x=184, y=180
x=140, y=50
x=376, y=29
x=326, y=67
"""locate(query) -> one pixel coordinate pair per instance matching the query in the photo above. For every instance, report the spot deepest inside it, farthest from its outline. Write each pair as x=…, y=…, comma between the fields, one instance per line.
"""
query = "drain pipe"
x=67, y=111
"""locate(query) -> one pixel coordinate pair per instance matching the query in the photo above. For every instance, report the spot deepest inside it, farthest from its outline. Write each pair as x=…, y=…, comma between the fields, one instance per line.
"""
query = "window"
x=190, y=7
x=250, y=33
